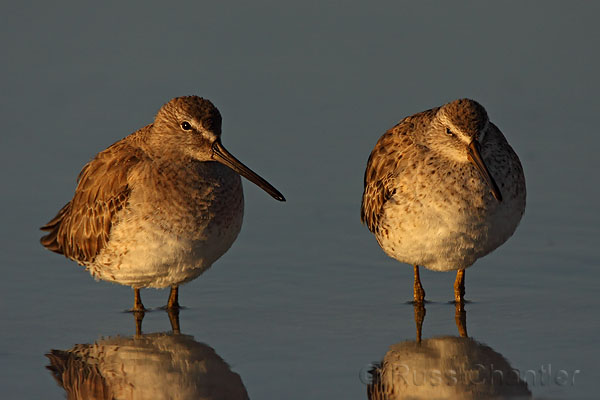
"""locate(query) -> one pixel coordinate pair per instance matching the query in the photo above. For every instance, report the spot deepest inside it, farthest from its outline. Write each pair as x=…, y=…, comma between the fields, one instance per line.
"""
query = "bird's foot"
x=459, y=287
x=418, y=291
x=173, y=303
x=137, y=302
x=418, y=294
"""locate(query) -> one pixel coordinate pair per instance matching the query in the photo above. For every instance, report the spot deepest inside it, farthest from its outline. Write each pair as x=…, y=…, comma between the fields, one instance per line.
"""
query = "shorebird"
x=158, y=207
x=442, y=189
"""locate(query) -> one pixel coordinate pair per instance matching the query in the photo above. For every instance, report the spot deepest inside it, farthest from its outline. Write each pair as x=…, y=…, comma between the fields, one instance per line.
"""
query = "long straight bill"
x=475, y=157
x=224, y=157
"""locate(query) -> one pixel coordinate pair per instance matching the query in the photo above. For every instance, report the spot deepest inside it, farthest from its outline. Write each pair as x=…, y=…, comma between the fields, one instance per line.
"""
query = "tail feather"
x=50, y=241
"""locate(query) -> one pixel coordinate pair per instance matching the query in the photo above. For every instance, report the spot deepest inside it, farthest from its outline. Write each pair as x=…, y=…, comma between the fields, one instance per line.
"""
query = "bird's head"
x=458, y=130
x=191, y=126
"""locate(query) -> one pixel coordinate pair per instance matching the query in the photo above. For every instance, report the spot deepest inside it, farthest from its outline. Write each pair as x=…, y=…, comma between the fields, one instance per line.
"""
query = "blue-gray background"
x=305, y=298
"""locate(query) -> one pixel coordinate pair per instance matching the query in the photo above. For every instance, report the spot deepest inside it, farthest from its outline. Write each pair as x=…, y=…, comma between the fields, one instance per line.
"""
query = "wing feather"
x=385, y=163
x=82, y=227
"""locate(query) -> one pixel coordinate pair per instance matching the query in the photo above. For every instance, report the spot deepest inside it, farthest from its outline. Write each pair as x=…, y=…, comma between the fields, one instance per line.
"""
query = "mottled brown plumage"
x=158, y=207
x=381, y=169
x=443, y=188
x=81, y=229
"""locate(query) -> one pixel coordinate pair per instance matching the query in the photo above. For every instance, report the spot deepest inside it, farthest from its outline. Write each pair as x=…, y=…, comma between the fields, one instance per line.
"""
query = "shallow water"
x=305, y=301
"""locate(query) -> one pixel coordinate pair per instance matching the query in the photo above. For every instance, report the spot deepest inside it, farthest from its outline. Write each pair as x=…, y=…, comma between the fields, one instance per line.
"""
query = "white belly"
x=445, y=241
x=157, y=259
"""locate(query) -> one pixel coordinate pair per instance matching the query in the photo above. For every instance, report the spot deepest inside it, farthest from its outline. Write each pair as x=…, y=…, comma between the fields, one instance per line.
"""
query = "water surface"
x=305, y=300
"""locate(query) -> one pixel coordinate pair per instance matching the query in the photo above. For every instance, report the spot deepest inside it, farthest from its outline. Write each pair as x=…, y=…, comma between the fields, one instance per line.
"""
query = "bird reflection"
x=145, y=366
x=446, y=367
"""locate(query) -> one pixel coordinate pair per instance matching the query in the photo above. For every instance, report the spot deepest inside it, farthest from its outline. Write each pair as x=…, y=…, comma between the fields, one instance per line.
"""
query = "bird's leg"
x=139, y=316
x=459, y=286
x=173, y=298
x=174, y=319
x=460, y=317
x=418, y=291
x=137, y=301
x=419, y=318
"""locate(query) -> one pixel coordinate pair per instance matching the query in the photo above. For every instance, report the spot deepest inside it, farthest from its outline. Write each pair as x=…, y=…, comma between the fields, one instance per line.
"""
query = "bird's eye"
x=186, y=126
x=449, y=132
